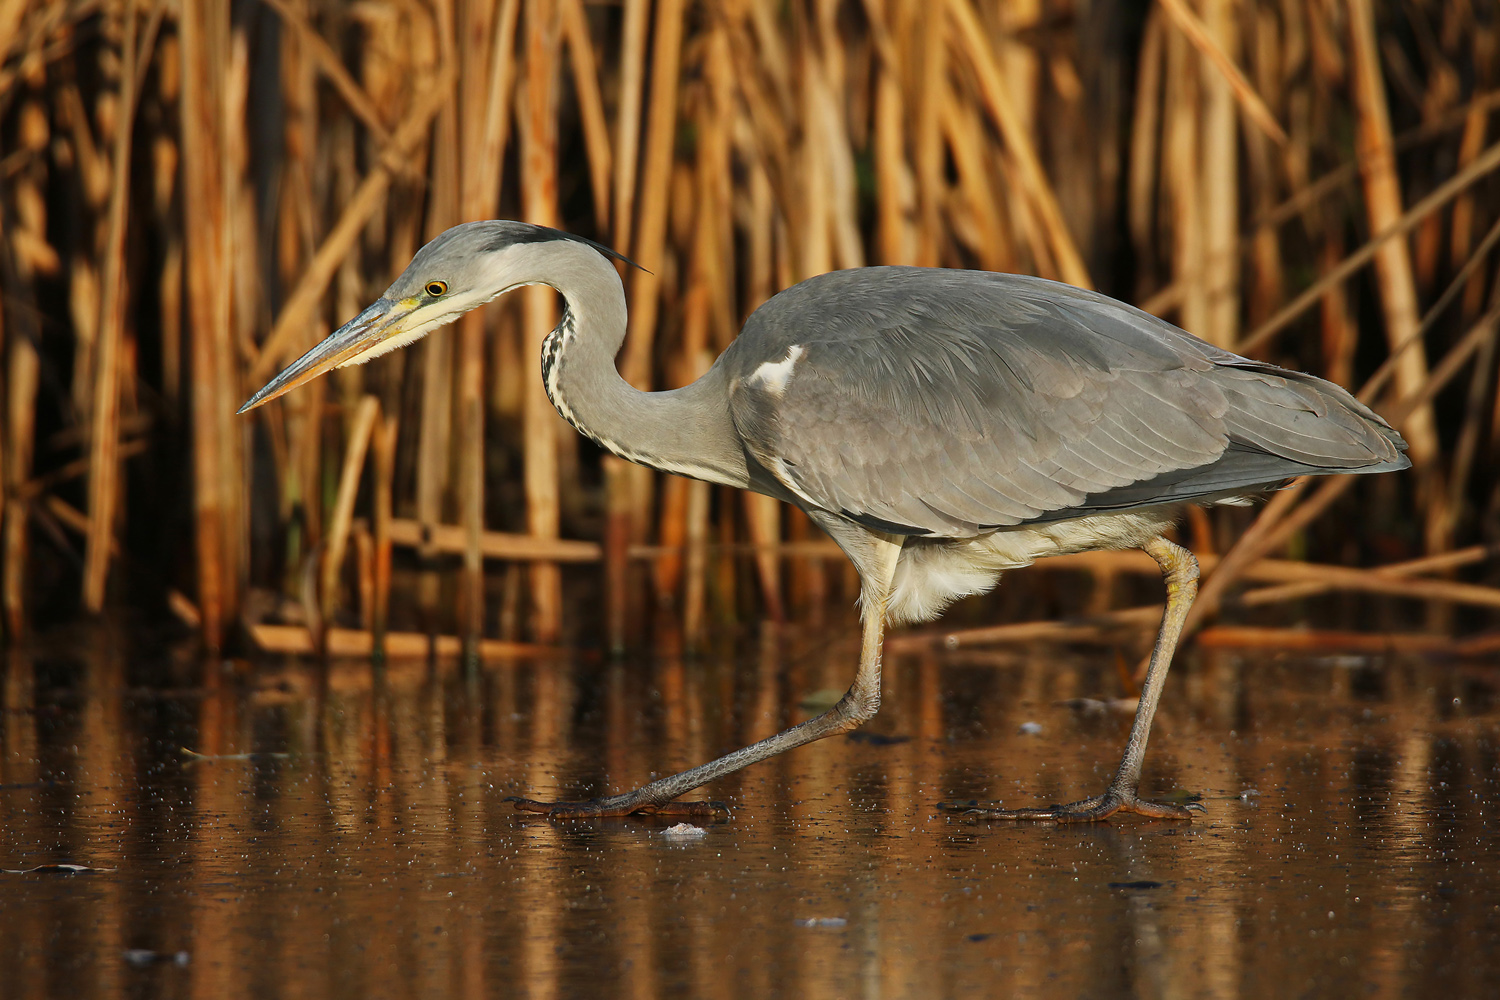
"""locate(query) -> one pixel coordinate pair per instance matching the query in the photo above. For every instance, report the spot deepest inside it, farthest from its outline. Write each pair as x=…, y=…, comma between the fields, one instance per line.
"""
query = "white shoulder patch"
x=774, y=375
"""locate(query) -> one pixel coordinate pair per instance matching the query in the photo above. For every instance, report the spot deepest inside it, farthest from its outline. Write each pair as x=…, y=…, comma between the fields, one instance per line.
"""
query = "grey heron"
x=943, y=426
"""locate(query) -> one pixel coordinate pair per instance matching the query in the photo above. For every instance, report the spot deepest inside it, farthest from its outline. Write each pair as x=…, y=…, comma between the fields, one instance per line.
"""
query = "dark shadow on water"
x=286, y=831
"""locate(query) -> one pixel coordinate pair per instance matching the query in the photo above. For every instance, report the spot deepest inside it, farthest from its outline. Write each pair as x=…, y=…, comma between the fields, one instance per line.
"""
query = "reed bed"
x=193, y=193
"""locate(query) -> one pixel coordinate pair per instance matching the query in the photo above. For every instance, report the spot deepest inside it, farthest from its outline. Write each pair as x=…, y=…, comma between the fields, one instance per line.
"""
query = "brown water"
x=365, y=849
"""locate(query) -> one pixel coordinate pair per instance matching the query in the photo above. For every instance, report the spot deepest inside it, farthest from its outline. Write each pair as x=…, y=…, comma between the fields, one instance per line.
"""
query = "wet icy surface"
x=348, y=837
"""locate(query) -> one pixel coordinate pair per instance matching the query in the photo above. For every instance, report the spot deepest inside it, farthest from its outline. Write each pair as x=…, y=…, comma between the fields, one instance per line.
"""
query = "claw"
x=601, y=808
x=1094, y=810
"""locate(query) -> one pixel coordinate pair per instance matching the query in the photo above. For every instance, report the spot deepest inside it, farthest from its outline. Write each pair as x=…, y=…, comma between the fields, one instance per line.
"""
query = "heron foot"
x=620, y=805
x=1094, y=810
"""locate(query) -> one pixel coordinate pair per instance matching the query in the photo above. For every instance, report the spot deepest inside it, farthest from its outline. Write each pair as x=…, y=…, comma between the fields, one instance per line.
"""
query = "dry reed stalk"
x=813, y=548
x=306, y=297
x=344, y=642
x=1397, y=285
x=1220, y=179
x=364, y=561
x=809, y=213
x=435, y=427
x=1462, y=231
x=295, y=239
x=1182, y=180
x=185, y=610
x=385, y=436
x=826, y=88
x=895, y=195
x=1486, y=644
x=575, y=27
x=539, y=199
x=969, y=36
x=22, y=378
x=762, y=513
x=1322, y=640
x=1021, y=72
x=1340, y=333
x=977, y=211
x=302, y=478
x=484, y=106
x=451, y=539
x=204, y=33
x=1445, y=562
x=1308, y=193
x=678, y=499
x=327, y=62
x=617, y=532
x=12, y=14
x=1375, y=581
x=695, y=567
x=104, y=469
x=240, y=255
x=1145, y=143
x=926, y=132
x=95, y=177
x=1466, y=447
x=343, y=508
x=628, y=118
x=1444, y=193
x=1440, y=93
x=697, y=216
x=37, y=486
x=1209, y=39
x=631, y=486
x=1278, y=521
x=655, y=184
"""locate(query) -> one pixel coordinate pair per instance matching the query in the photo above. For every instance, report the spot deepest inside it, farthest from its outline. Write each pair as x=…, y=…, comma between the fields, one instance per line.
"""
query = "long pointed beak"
x=378, y=322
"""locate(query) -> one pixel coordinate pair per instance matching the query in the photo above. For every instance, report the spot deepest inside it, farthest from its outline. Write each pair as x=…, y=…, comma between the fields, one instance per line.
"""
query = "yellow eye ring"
x=436, y=288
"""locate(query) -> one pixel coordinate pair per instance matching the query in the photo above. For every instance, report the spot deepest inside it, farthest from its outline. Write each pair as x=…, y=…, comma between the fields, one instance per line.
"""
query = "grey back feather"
x=951, y=402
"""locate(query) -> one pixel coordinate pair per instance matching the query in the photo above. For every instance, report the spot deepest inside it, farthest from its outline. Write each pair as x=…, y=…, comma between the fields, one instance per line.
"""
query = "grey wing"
x=952, y=402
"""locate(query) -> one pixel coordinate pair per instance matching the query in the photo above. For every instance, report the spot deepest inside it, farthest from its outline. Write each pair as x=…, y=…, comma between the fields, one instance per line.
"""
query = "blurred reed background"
x=193, y=192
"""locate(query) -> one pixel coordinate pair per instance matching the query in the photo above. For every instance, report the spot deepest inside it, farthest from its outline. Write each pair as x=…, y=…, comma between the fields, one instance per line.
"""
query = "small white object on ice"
x=821, y=922
x=1031, y=728
x=684, y=831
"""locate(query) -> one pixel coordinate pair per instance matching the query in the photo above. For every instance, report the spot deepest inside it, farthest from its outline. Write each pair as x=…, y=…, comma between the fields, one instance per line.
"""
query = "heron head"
x=462, y=268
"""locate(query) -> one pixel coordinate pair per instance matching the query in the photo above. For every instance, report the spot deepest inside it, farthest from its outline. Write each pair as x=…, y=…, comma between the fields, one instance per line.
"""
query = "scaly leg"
x=858, y=705
x=1180, y=568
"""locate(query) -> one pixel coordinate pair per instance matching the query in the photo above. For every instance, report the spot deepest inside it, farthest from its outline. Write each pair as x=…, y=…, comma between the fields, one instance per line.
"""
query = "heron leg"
x=858, y=705
x=1179, y=567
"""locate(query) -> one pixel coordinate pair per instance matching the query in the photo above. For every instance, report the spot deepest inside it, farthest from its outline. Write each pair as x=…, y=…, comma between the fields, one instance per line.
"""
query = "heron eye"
x=436, y=288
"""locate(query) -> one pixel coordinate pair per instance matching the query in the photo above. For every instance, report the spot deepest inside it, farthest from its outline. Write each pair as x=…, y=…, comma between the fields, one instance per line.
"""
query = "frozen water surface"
x=282, y=832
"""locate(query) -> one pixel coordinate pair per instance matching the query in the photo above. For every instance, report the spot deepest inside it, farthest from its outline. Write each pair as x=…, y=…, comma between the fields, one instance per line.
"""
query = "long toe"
x=1094, y=810
x=695, y=809
x=620, y=806
x=567, y=810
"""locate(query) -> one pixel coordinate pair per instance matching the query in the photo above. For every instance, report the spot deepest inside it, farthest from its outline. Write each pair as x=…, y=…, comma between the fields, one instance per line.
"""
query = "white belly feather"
x=933, y=574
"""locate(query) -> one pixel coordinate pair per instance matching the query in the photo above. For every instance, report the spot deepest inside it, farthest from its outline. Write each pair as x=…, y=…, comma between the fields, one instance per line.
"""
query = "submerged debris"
x=144, y=957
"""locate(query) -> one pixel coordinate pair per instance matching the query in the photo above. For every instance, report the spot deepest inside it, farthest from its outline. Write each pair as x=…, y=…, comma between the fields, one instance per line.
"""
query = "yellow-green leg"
x=858, y=705
x=1180, y=569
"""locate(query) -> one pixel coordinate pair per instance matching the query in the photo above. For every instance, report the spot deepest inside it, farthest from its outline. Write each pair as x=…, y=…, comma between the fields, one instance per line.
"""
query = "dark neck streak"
x=686, y=431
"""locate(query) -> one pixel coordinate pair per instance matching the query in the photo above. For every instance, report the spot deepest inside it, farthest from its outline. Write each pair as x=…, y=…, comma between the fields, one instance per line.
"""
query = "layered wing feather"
x=951, y=402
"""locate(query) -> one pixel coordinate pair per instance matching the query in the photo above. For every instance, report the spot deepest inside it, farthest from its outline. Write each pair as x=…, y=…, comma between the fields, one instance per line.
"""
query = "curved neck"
x=686, y=431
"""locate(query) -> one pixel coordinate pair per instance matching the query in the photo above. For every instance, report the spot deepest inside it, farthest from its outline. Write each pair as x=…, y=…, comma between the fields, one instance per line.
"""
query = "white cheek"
x=387, y=346
x=429, y=318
